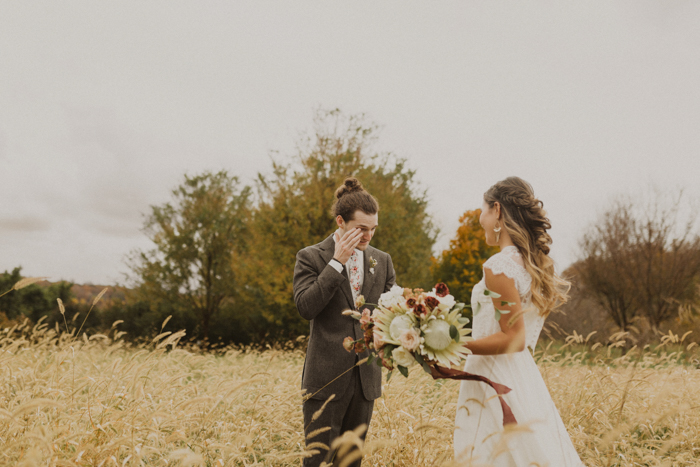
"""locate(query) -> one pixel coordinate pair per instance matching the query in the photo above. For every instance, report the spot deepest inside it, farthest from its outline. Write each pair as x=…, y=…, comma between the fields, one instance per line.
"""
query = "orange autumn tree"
x=460, y=265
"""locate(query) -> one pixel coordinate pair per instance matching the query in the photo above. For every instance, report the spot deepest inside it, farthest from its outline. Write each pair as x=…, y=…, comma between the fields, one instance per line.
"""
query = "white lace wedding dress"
x=540, y=437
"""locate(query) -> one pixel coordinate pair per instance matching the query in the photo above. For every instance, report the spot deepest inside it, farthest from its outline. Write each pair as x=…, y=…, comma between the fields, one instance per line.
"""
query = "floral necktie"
x=354, y=267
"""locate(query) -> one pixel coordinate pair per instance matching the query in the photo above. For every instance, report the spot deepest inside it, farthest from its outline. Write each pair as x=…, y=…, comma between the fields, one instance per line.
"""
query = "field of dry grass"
x=100, y=402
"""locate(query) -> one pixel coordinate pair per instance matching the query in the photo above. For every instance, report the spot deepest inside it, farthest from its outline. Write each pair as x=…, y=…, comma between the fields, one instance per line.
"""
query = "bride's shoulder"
x=507, y=262
x=496, y=260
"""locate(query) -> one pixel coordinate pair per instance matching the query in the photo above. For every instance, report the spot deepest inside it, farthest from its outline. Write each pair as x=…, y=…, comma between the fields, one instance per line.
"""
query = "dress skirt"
x=539, y=438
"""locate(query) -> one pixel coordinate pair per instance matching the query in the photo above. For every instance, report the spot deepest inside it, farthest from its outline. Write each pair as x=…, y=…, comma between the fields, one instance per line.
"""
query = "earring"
x=498, y=232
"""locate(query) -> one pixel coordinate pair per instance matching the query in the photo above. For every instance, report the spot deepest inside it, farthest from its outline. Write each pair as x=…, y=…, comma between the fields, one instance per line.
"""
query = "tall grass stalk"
x=100, y=401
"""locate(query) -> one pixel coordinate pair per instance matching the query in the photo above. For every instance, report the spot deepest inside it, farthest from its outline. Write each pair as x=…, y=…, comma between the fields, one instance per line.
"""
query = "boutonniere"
x=372, y=264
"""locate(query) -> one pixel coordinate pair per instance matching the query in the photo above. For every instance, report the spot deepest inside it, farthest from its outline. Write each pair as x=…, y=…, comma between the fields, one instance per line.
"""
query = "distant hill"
x=86, y=293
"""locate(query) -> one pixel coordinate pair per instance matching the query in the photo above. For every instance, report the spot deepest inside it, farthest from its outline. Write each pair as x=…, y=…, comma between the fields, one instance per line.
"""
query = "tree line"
x=640, y=260
x=223, y=253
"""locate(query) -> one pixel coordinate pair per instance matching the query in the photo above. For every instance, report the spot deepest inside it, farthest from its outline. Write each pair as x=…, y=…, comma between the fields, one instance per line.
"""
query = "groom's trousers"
x=345, y=412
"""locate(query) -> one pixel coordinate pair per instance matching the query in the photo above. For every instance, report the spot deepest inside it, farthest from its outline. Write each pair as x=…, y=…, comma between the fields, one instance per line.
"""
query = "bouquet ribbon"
x=439, y=372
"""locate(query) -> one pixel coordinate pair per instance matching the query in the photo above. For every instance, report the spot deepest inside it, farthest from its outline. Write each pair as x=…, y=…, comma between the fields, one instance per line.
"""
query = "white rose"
x=447, y=302
x=402, y=357
x=437, y=334
x=400, y=324
x=392, y=298
x=410, y=339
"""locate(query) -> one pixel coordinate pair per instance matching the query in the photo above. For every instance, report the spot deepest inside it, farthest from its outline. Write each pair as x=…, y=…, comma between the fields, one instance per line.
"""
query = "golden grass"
x=97, y=401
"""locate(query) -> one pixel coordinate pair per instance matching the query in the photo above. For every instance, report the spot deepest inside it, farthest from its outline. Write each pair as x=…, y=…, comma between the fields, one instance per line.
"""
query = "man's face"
x=367, y=223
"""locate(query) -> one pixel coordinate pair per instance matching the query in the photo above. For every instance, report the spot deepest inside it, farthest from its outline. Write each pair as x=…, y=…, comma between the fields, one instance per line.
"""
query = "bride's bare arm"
x=511, y=338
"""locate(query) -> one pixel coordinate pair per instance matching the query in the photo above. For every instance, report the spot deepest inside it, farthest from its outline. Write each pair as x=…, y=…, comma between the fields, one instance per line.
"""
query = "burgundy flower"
x=441, y=290
x=360, y=347
x=369, y=336
x=411, y=302
x=420, y=310
x=432, y=302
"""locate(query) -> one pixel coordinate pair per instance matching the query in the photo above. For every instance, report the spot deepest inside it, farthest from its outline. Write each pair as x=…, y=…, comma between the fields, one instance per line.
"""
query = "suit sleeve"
x=313, y=291
x=390, y=275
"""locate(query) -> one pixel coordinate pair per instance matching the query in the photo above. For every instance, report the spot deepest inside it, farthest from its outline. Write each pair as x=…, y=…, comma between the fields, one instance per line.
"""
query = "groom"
x=328, y=279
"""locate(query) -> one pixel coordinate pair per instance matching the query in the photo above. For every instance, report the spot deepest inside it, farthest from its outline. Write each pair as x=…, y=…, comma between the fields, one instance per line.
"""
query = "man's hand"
x=346, y=245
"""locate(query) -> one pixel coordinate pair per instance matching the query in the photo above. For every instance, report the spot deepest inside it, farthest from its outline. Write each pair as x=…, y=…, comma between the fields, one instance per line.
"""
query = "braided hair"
x=526, y=222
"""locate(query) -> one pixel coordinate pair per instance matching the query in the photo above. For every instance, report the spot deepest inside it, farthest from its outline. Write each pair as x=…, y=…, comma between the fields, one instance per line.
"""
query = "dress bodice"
x=484, y=314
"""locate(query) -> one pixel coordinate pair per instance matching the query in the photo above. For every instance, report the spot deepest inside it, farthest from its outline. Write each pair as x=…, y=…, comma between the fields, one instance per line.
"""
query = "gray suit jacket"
x=321, y=294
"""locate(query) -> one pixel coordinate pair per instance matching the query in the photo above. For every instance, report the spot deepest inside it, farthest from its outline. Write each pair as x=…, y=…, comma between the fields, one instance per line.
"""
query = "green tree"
x=39, y=300
x=294, y=211
x=11, y=304
x=460, y=266
x=198, y=238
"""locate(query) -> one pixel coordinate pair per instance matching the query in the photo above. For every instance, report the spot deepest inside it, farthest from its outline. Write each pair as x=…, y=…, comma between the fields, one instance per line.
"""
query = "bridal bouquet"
x=411, y=326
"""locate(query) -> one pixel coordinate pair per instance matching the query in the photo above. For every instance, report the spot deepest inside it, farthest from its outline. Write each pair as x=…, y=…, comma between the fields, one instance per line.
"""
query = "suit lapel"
x=327, y=250
x=368, y=279
x=345, y=287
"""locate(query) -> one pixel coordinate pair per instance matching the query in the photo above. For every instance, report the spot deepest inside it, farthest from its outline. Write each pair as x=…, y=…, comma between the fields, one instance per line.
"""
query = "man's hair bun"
x=351, y=197
x=350, y=185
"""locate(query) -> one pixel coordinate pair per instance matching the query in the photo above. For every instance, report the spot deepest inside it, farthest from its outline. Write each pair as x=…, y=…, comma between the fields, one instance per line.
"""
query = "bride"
x=504, y=328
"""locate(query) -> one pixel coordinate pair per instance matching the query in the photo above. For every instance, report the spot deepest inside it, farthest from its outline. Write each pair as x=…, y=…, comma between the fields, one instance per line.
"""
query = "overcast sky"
x=105, y=105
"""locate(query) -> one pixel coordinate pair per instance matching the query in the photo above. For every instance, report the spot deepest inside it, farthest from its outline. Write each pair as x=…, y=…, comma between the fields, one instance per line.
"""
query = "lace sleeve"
x=503, y=264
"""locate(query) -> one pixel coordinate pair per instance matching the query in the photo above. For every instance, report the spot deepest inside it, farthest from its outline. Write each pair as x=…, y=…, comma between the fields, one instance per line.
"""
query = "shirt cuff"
x=336, y=265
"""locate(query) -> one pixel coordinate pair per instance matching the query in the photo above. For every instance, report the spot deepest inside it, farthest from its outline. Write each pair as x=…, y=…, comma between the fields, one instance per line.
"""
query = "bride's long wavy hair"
x=526, y=222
